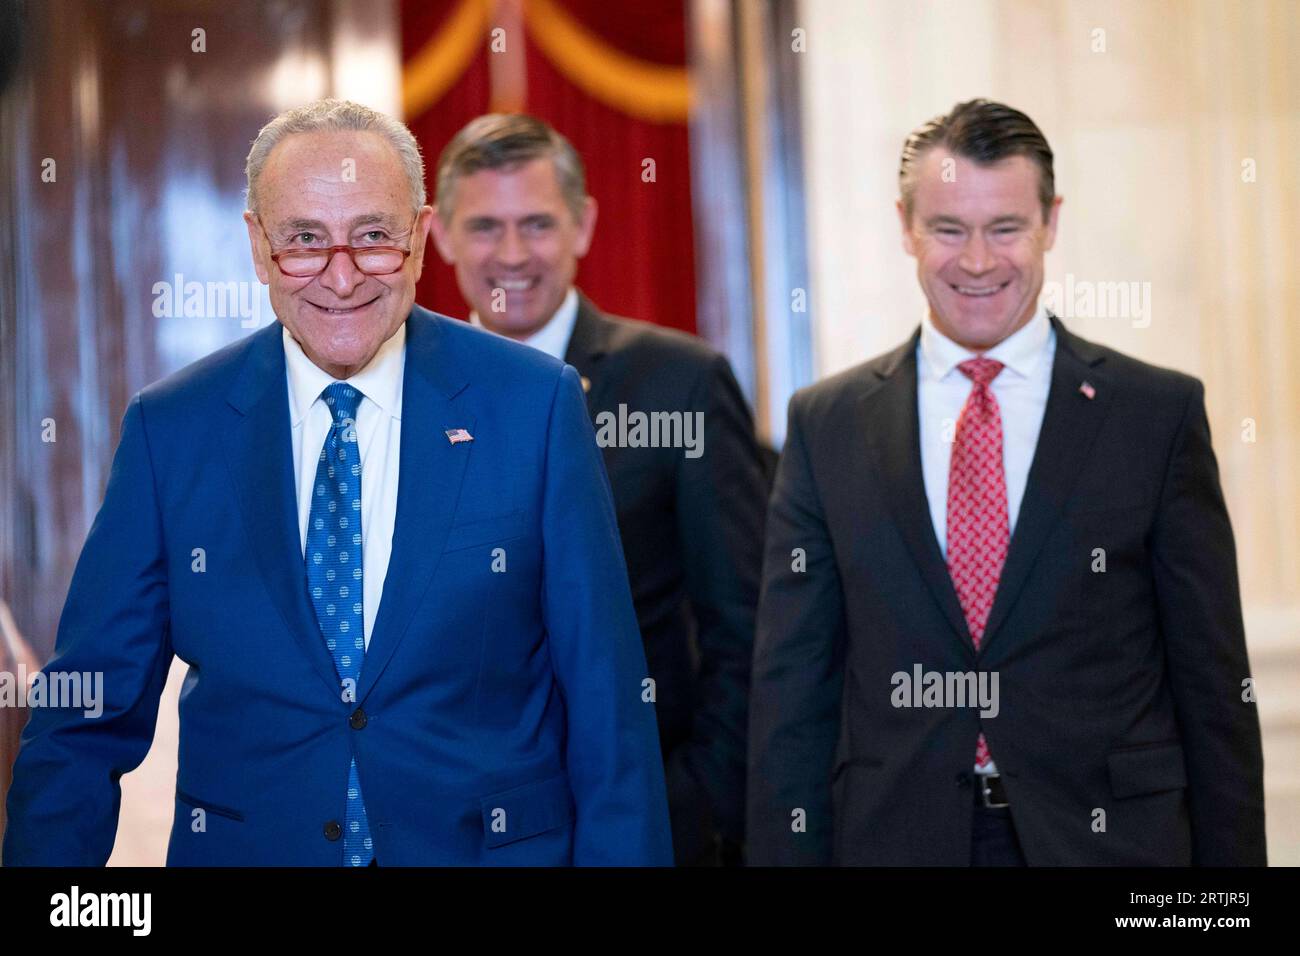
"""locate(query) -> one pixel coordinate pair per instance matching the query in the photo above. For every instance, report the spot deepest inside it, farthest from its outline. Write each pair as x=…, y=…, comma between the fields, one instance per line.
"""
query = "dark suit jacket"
x=692, y=530
x=1120, y=692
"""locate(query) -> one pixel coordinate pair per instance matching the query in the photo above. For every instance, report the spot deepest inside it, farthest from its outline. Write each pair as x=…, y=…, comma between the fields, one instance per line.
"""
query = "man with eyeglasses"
x=409, y=634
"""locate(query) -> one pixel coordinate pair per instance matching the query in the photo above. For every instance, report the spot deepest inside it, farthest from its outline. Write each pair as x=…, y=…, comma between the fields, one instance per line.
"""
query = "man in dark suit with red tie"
x=1000, y=620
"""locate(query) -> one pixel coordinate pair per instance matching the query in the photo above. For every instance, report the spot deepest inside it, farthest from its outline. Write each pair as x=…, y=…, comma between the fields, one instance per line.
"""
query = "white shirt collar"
x=1020, y=351
x=380, y=381
x=553, y=337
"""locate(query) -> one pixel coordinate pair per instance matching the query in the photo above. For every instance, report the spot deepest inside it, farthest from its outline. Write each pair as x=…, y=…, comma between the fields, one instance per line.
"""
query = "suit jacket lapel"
x=1070, y=425
x=259, y=450
x=431, y=472
x=891, y=421
x=587, y=346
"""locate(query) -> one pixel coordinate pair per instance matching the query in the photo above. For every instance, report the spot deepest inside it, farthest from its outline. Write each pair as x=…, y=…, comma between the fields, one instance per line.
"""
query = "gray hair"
x=335, y=116
x=505, y=141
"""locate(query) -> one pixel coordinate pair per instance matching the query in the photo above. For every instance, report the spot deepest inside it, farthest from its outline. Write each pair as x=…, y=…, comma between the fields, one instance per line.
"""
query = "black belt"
x=989, y=791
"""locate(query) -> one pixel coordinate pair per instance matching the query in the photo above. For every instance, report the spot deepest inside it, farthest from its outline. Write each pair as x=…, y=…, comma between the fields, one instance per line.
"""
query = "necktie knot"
x=981, y=371
x=342, y=400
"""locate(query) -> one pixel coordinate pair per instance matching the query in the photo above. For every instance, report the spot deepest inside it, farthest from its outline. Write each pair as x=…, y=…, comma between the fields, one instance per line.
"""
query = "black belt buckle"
x=990, y=791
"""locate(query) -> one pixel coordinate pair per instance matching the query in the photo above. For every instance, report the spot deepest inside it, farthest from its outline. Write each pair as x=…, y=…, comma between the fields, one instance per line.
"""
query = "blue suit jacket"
x=502, y=720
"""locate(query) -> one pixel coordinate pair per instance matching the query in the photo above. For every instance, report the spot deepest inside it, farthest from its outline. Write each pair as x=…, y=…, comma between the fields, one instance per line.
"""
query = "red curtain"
x=641, y=262
x=467, y=97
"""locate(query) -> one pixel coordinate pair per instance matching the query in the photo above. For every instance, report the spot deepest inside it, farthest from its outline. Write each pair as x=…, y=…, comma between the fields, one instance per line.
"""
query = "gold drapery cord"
x=650, y=91
x=444, y=58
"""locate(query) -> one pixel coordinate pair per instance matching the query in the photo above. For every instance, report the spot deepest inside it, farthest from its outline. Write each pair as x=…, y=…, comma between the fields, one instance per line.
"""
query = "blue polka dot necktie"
x=334, y=577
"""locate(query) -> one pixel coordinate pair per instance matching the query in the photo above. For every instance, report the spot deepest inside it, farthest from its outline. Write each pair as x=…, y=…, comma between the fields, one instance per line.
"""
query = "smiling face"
x=515, y=244
x=337, y=188
x=979, y=239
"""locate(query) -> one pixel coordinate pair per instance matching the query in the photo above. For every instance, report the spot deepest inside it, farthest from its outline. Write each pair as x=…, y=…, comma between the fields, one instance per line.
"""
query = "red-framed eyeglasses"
x=375, y=260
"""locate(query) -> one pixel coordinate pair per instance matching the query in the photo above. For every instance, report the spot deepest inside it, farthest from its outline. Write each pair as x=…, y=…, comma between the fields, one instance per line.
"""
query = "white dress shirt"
x=1021, y=392
x=379, y=432
x=553, y=337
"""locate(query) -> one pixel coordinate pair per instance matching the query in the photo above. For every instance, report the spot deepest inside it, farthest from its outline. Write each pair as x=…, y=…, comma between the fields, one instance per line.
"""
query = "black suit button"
x=358, y=719
x=963, y=779
x=333, y=830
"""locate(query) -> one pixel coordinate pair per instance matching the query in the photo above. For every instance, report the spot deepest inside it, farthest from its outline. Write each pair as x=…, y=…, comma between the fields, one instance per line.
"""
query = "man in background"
x=1015, y=634
x=514, y=218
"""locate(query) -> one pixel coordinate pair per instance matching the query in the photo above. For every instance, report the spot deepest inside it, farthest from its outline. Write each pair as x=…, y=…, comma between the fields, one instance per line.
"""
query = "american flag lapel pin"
x=1087, y=390
x=458, y=435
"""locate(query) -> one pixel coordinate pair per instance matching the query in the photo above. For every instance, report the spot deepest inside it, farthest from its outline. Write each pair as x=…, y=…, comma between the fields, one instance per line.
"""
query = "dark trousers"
x=993, y=838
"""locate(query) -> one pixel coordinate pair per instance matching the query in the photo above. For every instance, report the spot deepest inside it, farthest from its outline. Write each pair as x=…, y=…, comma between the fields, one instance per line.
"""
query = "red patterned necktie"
x=978, y=530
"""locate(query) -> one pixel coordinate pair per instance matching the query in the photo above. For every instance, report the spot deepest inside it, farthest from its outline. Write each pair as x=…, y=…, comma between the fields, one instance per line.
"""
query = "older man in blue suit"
x=384, y=543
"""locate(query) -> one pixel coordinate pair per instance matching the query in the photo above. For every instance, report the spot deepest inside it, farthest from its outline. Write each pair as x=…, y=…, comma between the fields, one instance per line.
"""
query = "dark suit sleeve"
x=64, y=801
x=1195, y=570
x=798, y=675
x=612, y=747
x=720, y=499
